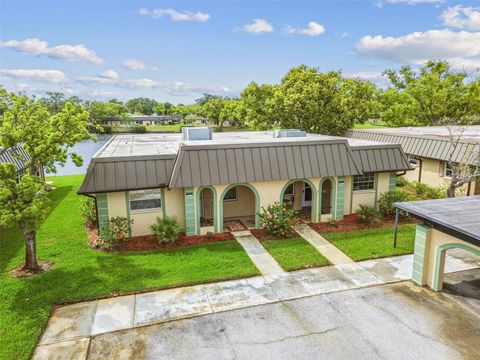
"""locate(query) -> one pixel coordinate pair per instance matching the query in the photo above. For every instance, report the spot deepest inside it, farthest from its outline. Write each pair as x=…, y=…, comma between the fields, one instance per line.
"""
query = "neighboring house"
x=209, y=183
x=429, y=150
x=145, y=120
x=20, y=158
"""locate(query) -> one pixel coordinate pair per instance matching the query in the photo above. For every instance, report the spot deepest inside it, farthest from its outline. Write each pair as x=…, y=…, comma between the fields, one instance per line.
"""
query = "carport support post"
x=397, y=214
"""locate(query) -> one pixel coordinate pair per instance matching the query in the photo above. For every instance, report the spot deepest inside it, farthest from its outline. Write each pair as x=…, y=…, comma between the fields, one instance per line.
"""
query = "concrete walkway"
x=71, y=328
x=332, y=253
x=258, y=254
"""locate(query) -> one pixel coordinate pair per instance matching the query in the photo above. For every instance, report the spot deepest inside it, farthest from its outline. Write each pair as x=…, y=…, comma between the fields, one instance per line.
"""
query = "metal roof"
x=459, y=217
x=227, y=164
x=17, y=156
x=423, y=144
x=129, y=162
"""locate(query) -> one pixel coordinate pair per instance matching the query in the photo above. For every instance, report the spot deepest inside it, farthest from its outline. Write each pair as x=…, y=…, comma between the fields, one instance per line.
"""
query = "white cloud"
x=109, y=74
x=420, y=46
x=138, y=83
x=341, y=35
x=257, y=26
x=375, y=76
x=180, y=88
x=462, y=17
x=313, y=29
x=174, y=15
x=96, y=80
x=51, y=76
x=132, y=64
x=39, y=47
x=464, y=64
x=414, y=2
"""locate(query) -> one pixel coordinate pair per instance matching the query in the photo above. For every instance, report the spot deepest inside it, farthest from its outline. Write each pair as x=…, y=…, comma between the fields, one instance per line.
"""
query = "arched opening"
x=327, y=204
x=240, y=206
x=439, y=262
x=301, y=196
x=206, y=210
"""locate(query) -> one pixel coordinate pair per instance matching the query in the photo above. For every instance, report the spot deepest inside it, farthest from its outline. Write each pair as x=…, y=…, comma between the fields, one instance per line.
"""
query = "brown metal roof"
x=380, y=158
x=226, y=164
x=422, y=146
x=17, y=156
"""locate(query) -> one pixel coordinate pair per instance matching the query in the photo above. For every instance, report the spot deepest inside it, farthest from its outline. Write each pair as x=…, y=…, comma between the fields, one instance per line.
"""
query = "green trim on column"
x=340, y=201
x=127, y=204
x=164, y=206
x=351, y=194
x=418, y=275
x=257, y=204
x=333, y=196
x=199, y=213
x=392, y=184
x=314, y=217
x=189, y=196
x=437, y=286
x=102, y=211
x=376, y=189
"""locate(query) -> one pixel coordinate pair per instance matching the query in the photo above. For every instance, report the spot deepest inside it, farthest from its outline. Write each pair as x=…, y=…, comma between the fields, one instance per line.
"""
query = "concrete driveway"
x=395, y=321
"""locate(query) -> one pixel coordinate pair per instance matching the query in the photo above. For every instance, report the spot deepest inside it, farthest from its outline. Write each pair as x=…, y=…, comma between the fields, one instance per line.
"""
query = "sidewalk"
x=70, y=327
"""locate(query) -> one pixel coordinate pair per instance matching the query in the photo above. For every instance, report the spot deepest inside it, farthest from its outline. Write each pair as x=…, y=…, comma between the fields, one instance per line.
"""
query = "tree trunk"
x=30, y=251
x=451, y=191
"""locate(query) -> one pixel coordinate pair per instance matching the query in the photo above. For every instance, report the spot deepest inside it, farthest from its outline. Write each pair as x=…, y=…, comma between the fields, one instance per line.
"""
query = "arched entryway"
x=327, y=199
x=206, y=210
x=300, y=195
x=439, y=261
x=239, y=208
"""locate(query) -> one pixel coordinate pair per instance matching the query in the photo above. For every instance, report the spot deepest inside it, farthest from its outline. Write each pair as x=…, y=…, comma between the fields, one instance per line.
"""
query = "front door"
x=306, y=195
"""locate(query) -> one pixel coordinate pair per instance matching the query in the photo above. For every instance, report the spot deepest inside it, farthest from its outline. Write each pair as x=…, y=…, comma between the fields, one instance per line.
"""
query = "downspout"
x=420, y=171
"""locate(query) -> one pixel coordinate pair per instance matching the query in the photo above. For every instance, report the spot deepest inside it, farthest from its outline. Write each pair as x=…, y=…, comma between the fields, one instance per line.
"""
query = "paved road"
x=396, y=321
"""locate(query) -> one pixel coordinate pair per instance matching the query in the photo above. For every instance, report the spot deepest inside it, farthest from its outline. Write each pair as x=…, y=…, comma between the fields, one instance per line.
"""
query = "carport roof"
x=459, y=217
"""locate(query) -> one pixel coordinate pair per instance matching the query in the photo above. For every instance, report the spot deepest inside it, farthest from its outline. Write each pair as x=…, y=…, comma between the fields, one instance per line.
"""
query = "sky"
x=176, y=50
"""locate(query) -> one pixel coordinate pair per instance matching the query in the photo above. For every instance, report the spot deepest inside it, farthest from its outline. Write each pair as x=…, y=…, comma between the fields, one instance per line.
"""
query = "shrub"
x=333, y=222
x=88, y=209
x=368, y=214
x=386, y=200
x=278, y=220
x=114, y=233
x=107, y=129
x=401, y=181
x=425, y=192
x=166, y=229
x=138, y=129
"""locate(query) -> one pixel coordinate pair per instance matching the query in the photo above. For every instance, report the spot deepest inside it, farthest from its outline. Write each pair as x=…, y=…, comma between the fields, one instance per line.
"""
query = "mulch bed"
x=149, y=242
x=262, y=235
x=352, y=223
x=19, y=272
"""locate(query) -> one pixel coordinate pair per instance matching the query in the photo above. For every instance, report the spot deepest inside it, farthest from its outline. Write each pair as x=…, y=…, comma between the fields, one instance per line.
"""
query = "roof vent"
x=196, y=133
x=289, y=133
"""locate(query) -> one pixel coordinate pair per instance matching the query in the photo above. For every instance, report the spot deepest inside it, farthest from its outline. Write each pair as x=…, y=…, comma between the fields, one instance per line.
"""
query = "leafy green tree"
x=206, y=98
x=168, y=108
x=47, y=139
x=212, y=109
x=159, y=108
x=318, y=102
x=258, y=105
x=102, y=111
x=231, y=111
x=53, y=102
x=141, y=105
x=432, y=96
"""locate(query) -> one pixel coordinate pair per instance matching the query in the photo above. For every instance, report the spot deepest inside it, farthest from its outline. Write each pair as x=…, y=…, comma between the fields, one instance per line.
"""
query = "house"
x=20, y=158
x=145, y=120
x=429, y=150
x=213, y=181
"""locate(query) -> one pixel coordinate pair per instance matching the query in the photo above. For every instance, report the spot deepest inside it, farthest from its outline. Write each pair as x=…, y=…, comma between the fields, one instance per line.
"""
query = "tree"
x=47, y=138
x=102, y=111
x=258, y=106
x=430, y=96
x=54, y=101
x=168, y=108
x=141, y=105
x=212, y=109
x=159, y=108
x=323, y=103
x=206, y=98
x=231, y=111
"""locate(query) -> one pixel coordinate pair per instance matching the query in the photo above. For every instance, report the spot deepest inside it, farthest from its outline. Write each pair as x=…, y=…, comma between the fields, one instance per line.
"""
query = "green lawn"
x=368, y=125
x=82, y=273
x=295, y=254
x=167, y=128
x=374, y=243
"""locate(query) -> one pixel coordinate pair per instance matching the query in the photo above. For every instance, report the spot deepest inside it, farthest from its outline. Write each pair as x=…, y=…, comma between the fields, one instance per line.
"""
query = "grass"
x=295, y=254
x=374, y=243
x=368, y=125
x=81, y=273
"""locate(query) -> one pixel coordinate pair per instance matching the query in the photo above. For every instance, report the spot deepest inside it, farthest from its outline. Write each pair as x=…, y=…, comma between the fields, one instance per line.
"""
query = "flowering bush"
x=116, y=231
x=278, y=220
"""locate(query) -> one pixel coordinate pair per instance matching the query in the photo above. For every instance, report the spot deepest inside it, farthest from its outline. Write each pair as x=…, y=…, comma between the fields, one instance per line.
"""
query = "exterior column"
x=392, y=184
x=190, y=215
x=340, y=198
x=420, y=271
x=102, y=211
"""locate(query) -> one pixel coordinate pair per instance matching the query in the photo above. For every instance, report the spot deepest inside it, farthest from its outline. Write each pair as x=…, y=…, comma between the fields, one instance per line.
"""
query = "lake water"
x=86, y=149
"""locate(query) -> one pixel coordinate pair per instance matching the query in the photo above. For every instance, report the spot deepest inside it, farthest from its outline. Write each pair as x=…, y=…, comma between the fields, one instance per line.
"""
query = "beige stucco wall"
x=431, y=172
x=243, y=206
x=368, y=197
x=142, y=219
x=412, y=175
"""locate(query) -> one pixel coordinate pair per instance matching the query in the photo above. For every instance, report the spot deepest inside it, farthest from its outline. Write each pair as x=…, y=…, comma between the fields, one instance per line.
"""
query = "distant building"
x=20, y=158
x=429, y=150
x=145, y=120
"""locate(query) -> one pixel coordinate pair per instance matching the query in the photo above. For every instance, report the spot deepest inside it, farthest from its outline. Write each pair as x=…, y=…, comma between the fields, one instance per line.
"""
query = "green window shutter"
x=189, y=195
x=102, y=211
x=340, y=201
x=393, y=181
x=419, y=254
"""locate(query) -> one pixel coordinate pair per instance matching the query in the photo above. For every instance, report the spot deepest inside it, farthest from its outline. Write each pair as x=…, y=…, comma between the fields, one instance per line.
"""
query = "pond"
x=86, y=149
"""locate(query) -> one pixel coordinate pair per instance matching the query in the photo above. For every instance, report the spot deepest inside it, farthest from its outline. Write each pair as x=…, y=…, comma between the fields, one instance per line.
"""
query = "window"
x=448, y=170
x=231, y=194
x=413, y=160
x=145, y=199
x=364, y=182
x=289, y=190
